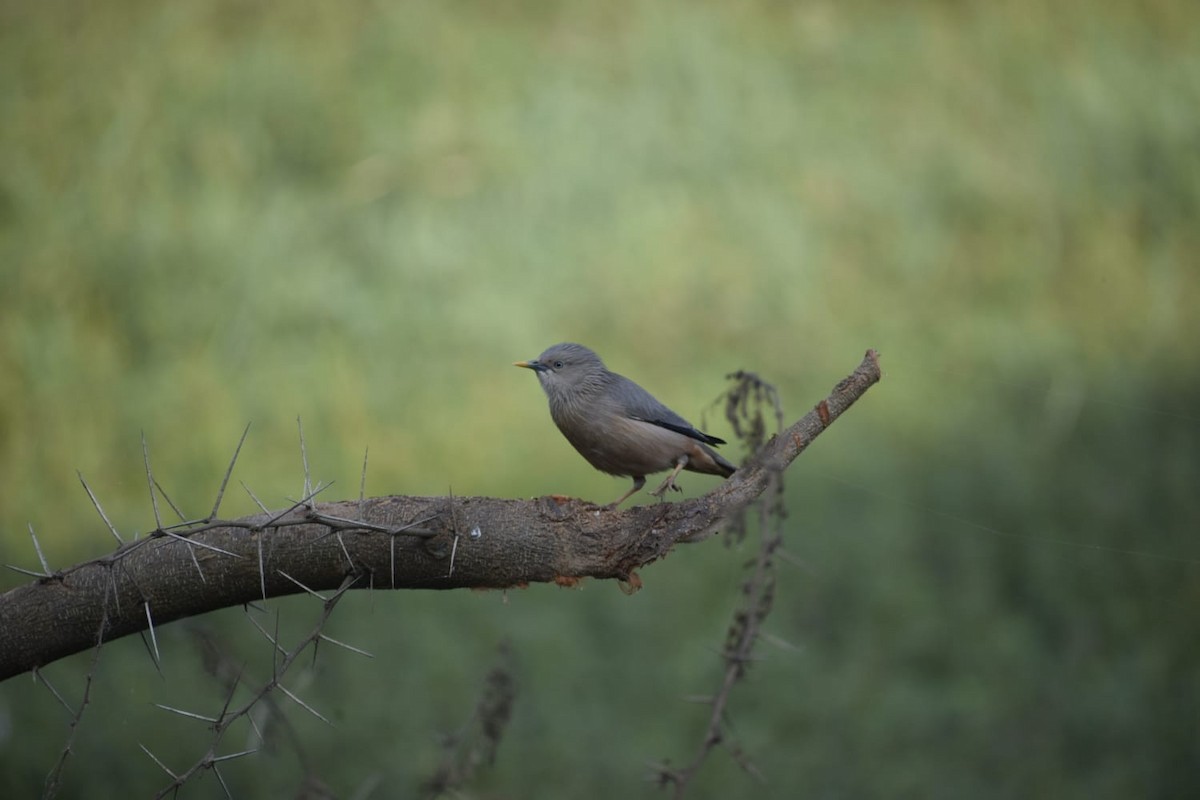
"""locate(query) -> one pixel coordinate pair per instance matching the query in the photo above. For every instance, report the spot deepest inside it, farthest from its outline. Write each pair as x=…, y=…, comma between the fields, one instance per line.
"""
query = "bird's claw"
x=669, y=483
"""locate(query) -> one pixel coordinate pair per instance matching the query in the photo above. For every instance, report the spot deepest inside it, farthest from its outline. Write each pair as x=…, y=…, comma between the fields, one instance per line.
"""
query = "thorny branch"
x=199, y=565
x=220, y=725
x=196, y=565
x=54, y=779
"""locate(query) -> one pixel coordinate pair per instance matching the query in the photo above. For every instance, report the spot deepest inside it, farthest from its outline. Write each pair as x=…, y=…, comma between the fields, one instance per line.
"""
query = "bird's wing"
x=639, y=404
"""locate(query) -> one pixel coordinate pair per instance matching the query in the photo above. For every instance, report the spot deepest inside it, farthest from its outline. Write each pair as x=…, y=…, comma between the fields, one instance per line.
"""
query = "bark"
x=385, y=542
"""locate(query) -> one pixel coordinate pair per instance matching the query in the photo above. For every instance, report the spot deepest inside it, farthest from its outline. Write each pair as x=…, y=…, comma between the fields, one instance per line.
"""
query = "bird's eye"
x=558, y=365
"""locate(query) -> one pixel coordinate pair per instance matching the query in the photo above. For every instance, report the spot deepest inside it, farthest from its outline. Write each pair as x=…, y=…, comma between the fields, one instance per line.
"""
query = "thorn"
x=205, y=545
x=795, y=561
x=351, y=648
x=266, y=635
x=100, y=510
x=174, y=507
x=221, y=780
x=233, y=685
x=161, y=765
x=304, y=705
x=301, y=585
x=453, y=551
x=196, y=561
x=345, y=552
x=257, y=502
x=153, y=636
x=781, y=643
x=150, y=483
x=257, y=730
x=333, y=521
x=426, y=534
x=262, y=573
x=274, y=664
x=38, y=548
x=296, y=504
x=347, y=583
x=362, y=484
x=112, y=576
x=28, y=572
x=38, y=676
x=304, y=457
x=212, y=720
x=225, y=481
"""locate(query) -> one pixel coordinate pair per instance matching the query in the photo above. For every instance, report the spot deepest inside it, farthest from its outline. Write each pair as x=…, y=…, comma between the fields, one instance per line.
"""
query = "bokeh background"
x=360, y=213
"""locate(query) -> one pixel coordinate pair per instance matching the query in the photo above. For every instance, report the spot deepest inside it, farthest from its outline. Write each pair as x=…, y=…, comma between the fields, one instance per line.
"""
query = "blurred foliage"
x=362, y=212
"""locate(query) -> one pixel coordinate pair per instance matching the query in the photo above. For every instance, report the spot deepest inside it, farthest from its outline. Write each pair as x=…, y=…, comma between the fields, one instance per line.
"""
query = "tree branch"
x=384, y=542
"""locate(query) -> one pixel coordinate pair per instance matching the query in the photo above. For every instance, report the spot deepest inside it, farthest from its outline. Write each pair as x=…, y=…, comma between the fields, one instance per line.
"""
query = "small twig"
x=53, y=780
x=744, y=412
x=280, y=668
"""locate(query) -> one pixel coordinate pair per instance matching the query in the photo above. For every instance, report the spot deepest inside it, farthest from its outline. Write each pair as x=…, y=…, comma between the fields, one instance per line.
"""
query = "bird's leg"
x=638, y=482
x=669, y=483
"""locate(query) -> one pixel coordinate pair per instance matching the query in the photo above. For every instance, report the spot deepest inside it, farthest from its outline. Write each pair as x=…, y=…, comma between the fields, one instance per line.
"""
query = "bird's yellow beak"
x=524, y=364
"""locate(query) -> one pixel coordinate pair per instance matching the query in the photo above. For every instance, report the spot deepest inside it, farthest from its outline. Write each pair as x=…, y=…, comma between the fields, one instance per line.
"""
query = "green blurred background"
x=361, y=212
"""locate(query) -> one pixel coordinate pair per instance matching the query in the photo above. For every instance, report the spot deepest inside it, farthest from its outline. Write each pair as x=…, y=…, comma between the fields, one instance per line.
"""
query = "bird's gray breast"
x=614, y=443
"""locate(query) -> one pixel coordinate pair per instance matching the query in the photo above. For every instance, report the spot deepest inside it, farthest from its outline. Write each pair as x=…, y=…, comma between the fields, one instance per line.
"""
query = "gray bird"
x=617, y=425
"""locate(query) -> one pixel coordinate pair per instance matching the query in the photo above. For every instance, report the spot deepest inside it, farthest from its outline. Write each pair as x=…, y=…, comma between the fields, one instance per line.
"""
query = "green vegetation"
x=361, y=213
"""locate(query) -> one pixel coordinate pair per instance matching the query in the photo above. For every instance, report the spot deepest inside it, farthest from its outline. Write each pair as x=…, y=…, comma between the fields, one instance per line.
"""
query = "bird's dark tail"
x=719, y=465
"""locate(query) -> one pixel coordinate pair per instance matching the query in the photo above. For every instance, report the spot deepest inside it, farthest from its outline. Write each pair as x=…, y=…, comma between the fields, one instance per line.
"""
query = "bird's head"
x=566, y=369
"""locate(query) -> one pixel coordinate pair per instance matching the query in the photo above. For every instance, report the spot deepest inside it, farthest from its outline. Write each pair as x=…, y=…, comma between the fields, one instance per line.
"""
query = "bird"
x=619, y=427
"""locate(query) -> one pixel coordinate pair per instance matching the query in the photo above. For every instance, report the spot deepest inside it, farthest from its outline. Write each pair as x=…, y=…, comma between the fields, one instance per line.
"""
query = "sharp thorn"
x=229, y=471
x=99, y=510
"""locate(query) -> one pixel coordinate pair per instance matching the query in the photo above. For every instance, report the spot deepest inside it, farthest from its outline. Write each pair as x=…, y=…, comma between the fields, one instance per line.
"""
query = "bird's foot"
x=638, y=482
x=669, y=483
